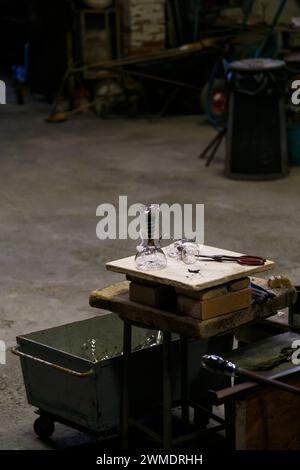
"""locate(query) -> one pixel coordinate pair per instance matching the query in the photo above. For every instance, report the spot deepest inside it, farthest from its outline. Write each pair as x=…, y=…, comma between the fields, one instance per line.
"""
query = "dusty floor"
x=52, y=179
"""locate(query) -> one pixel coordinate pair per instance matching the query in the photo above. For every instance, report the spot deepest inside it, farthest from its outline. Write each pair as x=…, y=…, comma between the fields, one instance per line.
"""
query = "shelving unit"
x=100, y=34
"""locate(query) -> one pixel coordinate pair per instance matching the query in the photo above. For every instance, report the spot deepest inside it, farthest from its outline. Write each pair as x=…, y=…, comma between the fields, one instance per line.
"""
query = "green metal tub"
x=72, y=373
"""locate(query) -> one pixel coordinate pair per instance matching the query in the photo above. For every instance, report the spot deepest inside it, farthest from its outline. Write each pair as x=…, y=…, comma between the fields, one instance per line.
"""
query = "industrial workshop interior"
x=149, y=243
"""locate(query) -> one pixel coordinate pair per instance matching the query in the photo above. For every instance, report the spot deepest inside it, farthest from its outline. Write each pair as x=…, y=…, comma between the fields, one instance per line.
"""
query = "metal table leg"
x=230, y=424
x=124, y=421
x=167, y=392
x=184, y=381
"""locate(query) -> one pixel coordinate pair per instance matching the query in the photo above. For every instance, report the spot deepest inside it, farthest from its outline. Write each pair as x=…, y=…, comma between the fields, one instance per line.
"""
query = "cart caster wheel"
x=44, y=427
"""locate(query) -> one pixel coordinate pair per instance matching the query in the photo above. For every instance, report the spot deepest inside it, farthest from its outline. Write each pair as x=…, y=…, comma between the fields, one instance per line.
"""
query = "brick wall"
x=143, y=25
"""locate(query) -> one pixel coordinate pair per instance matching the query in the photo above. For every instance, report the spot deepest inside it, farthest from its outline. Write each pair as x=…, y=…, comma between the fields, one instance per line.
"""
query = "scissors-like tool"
x=244, y=260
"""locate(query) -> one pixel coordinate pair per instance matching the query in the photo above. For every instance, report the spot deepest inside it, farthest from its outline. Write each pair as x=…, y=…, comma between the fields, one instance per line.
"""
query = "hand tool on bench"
x=245, y=260
x=285, y=355
x=217, y=364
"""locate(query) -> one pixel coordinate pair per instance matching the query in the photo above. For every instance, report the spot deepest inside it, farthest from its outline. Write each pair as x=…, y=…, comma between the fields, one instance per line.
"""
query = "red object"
x=243, y=260
x=218, y=102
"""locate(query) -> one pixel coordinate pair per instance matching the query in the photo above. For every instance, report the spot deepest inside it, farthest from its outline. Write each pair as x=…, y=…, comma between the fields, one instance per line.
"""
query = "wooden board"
x=265, y=328
x=116, y=299
x=268, y=419
x=213, y=292
x=176, y=273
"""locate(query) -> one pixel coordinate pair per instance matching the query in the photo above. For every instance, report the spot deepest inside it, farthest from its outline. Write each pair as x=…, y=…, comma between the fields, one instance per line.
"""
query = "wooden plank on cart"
x=116, y=299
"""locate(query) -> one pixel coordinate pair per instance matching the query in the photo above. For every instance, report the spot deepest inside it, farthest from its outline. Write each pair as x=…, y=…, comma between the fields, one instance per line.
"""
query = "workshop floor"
x=53, y=176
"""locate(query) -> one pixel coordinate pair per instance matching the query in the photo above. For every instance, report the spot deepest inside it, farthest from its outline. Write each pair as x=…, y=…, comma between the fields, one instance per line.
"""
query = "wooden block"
x=206, y=294
x=205, y=309
x=219, y=291
x=163, y=297
x=239, y=284
x=141, y=281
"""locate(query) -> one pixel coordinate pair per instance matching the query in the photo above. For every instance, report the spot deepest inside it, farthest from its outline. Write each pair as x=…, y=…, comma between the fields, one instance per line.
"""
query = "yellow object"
x=276, y=282
x=57, y=117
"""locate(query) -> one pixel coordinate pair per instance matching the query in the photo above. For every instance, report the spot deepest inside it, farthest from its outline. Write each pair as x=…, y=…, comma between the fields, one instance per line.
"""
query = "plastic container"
x=257, y=133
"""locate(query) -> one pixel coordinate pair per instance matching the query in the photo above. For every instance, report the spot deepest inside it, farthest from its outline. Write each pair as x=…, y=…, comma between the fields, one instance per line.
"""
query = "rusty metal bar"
x=17, y=352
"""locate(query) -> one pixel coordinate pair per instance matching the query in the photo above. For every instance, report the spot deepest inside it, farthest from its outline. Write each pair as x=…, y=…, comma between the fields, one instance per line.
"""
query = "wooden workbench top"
x=177, y=273
x=116, y=299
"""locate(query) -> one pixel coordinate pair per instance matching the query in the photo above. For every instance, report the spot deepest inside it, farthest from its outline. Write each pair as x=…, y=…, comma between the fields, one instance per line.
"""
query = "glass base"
x=151, y=260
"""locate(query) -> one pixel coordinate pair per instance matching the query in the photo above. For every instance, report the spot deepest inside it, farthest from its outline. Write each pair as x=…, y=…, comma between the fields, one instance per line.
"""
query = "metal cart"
x=71, y=384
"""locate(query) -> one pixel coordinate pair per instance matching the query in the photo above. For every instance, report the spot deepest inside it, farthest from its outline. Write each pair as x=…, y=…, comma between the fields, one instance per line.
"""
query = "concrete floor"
x=52, y=179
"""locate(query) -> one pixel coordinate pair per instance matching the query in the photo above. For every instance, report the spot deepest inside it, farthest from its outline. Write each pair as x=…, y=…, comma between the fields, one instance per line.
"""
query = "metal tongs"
x=244, y=260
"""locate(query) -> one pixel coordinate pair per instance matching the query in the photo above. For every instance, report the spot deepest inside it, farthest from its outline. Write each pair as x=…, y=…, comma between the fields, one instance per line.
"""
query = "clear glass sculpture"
x=190, y=253
x=184, y=250
x=149, y=255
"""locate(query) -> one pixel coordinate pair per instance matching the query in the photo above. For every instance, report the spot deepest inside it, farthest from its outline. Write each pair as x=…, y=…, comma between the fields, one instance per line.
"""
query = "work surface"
x=177, y=273
x=116, y=299
x=255, y=356
x=261, y=352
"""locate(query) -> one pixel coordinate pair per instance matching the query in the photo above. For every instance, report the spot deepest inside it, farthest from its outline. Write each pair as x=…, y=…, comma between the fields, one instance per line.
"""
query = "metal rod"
x=219, y=365
x=247, y=14
x=175, y=53
x=272, y=28
x=145, y=429
x=169, y=100
x=83, y=375
x=163, y=80
x=178, y=22
x=199, y=433
x=215, y=149
x=212, y=144
x=184, y=381
x=266, y=381
x=61, y=87
x=210, y=414
x=118, y=30
x=167, y=392
x=229, y=408
x=197, y=9
x=127, y=334
x=84, y=106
